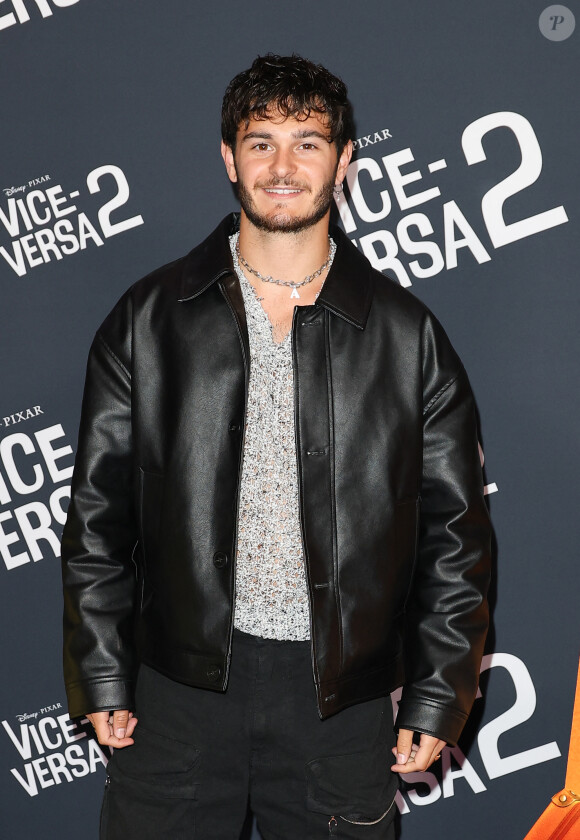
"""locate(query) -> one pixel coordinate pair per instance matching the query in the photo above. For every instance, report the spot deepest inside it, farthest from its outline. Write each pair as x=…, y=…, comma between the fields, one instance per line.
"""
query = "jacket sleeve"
x=447, y=612
x=100, y=533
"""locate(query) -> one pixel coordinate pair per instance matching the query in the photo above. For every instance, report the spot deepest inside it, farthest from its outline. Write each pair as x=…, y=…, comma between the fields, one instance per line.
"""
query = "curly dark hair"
x=292, y=85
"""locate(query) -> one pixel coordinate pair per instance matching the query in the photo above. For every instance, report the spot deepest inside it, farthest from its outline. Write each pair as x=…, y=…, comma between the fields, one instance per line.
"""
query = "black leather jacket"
x=395, y=528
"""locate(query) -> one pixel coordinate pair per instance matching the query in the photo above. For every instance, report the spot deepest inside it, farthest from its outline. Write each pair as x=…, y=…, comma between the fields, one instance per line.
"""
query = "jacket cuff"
x=431, y=719
x=101, y=695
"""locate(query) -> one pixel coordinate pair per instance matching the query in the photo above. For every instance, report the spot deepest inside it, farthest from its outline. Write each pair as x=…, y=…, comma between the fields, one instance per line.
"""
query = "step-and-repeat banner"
x=463, y=186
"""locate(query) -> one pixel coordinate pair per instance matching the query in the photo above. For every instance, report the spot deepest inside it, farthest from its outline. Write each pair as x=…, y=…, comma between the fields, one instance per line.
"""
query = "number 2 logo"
x=112, y=228
x=524, y=176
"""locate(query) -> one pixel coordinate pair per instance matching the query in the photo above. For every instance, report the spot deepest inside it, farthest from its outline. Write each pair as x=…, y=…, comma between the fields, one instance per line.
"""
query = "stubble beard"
x=283, y=222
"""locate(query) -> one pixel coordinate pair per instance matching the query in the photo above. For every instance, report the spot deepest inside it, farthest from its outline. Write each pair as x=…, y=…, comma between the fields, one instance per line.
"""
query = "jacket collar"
x=347, y=292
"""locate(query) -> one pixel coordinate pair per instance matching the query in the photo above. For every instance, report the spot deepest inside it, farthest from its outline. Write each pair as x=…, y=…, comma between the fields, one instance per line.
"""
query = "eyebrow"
x=301, y=134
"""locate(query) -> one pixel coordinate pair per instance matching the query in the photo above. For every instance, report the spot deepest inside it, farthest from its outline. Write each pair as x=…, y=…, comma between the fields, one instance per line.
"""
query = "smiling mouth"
x=282, y=191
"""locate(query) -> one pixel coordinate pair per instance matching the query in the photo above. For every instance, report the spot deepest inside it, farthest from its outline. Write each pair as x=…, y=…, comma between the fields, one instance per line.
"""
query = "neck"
x=289, y=256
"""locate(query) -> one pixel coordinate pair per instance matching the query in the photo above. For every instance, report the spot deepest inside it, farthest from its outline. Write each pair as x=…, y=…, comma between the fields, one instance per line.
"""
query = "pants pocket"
x=150, y=790
x=355, y=791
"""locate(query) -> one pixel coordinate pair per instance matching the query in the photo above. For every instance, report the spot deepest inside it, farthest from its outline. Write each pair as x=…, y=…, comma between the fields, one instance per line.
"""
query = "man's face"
x=286, y=171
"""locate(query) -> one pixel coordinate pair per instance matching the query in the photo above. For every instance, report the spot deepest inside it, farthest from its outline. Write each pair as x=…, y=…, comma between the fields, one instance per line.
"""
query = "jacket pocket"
x=151, y=505
x=406, y=537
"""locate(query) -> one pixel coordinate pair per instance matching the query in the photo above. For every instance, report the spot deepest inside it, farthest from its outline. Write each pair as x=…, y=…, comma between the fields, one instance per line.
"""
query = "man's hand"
x=412, y=758
x=114, y=729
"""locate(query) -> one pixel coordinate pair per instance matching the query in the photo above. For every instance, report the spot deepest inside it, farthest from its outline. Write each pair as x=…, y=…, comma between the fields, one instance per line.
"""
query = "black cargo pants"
x=200, y=757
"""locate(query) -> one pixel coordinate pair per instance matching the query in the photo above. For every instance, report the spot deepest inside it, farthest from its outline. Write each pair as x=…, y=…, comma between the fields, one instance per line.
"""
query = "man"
x=277, y=513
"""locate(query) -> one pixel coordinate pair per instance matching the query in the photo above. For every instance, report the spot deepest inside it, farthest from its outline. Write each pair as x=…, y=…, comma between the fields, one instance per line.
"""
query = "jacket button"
x=213, y=673
x=220, y=560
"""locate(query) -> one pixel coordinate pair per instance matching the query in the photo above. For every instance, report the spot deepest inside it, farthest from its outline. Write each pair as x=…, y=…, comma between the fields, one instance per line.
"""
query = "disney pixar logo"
x=8, y=191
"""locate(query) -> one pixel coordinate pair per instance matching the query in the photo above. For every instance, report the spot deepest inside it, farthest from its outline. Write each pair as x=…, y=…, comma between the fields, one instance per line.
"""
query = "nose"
x=282, y=164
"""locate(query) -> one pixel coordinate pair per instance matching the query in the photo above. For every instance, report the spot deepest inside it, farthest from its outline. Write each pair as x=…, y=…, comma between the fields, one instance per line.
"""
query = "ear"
x=228, y=156
x=343, y=162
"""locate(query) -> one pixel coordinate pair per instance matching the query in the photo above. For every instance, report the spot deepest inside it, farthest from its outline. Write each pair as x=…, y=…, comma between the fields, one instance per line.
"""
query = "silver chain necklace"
x=294, y=286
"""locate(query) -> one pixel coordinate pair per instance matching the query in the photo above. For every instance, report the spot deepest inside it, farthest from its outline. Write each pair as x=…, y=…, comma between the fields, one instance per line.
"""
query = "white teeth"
x=282, y=192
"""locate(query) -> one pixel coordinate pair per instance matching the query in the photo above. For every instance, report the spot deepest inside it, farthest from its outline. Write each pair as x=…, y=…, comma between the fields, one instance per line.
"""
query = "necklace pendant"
x=294, y=292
